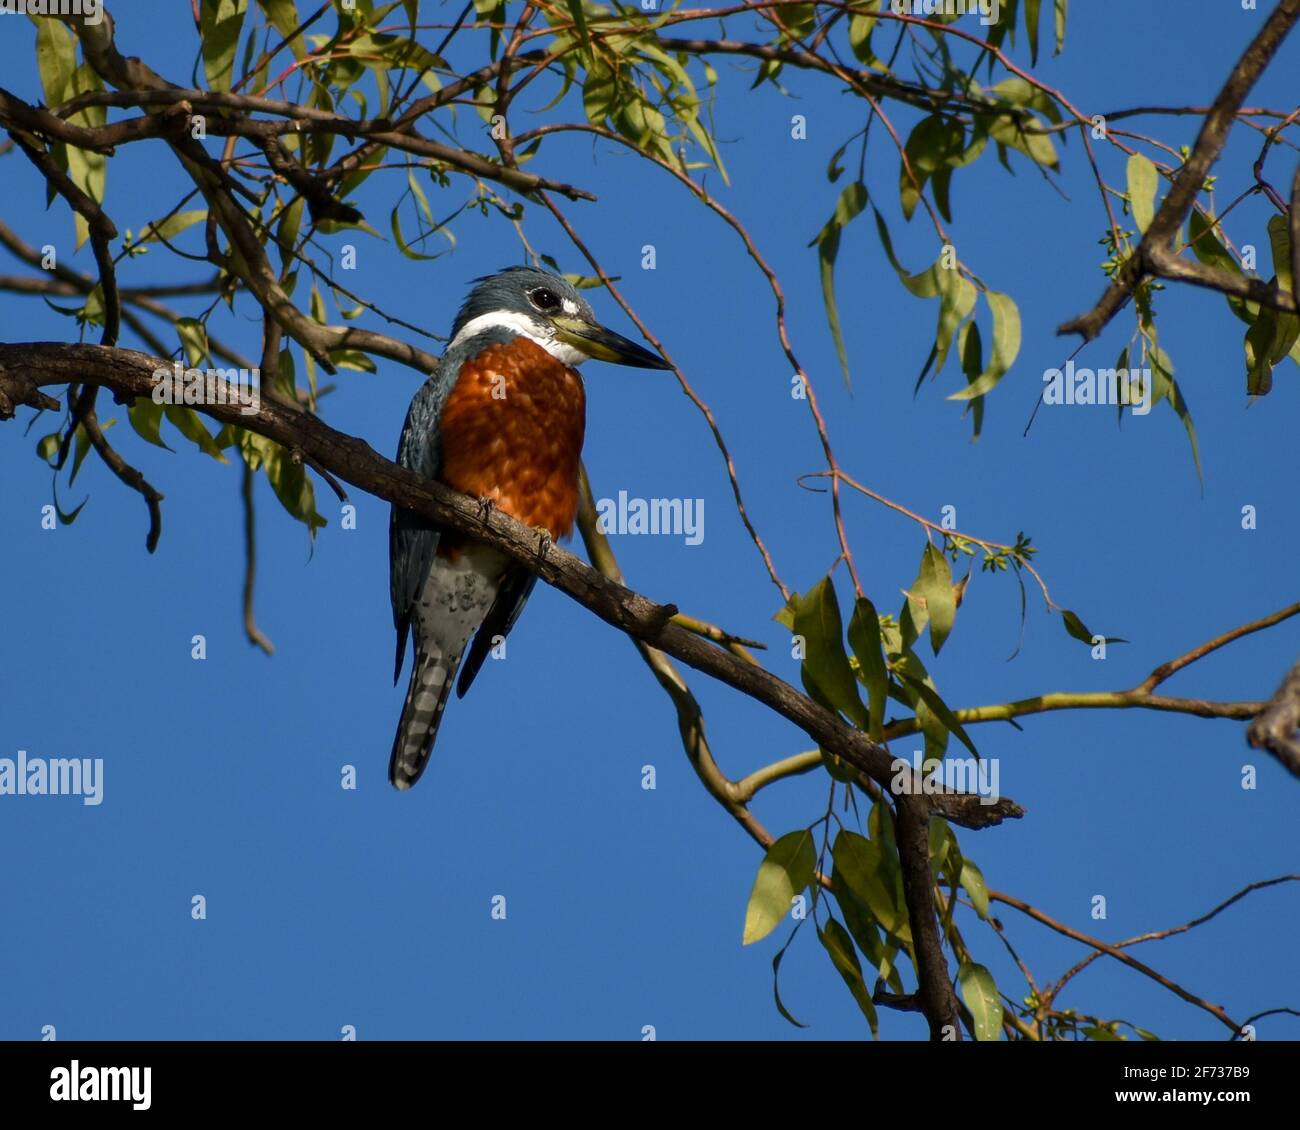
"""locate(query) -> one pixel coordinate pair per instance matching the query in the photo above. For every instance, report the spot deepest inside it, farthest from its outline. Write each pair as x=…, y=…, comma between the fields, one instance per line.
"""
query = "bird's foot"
x=485, y=508
x=544, y=543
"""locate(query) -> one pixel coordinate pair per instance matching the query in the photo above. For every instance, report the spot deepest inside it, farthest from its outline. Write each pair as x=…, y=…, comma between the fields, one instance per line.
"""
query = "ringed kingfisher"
x=500, y=419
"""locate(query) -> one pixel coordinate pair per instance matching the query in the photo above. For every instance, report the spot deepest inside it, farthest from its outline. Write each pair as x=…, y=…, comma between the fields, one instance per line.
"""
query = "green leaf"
x=286, y=232
x=864, y=638
x=1062, y=8
x=1208, y=248
x=934, y=586
x=933, y=145
x=1274, y=334
x=880, y=827
x=1080, y=632
x=86, y=169
x=285, y=377
x=599, y=94
x=190, y=425
x=644, y=125
x=923, y=285
x=69, y=516
x=47, y=447
x=799, y=18
x=870, y=874
x=957, y=299
x=971, y=351
x=1165, y=387
x=1076, y=627
x=1008, y=130
x=941, y=186
x=1279, y=239
x=862, y=926
x=972, y=879
x=827, y=674
x=839, y=945
x=146, y=418
x=1006, y=345
x=220, y=23
x=283, y=14
x=852, y=200
x=776, y=984
x=402, y=246
x=93, y=310
x=174, y=224
x=580, y=20
x=194, y=339
x=288, y=479
x=941, y=843
x=939, y=709
x=1031, y=26
x=83, y=448
x=1259, y=350
x=1143, y=180
x=65, y=311
x=56, y=58
x=353, y=359
x=1023, y=94
x=861, y=25
x=980, y=992
x=788, y=867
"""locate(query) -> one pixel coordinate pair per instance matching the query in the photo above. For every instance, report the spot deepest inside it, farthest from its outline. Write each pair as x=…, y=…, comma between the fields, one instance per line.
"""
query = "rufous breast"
x=512, y=430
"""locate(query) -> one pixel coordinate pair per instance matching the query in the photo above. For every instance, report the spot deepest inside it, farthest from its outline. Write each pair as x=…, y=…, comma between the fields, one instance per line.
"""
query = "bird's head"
x=548, y=310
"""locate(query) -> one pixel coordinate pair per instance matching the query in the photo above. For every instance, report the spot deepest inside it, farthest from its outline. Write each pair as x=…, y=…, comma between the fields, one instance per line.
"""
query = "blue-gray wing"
x=412, y=538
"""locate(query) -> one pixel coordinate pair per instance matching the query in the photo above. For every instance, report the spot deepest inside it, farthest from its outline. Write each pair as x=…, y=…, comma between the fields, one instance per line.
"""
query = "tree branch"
x=1119, y=955
x=26, y=368
x=251, y=630
x=934, y=986
x=1155, y=254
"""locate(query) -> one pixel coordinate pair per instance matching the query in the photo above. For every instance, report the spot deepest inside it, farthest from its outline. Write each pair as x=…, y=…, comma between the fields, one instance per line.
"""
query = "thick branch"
x=101, y=229
x=934, y=986
x=25, y=368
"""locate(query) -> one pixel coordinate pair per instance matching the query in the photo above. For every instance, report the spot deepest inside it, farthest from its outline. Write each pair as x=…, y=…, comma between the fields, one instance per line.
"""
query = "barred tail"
x=432, y=676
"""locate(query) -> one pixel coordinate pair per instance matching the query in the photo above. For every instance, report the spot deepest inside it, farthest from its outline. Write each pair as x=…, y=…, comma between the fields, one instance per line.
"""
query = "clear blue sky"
x=328, y=907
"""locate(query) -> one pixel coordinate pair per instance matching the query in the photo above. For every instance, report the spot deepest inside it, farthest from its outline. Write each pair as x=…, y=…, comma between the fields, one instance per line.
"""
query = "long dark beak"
x=605, y=345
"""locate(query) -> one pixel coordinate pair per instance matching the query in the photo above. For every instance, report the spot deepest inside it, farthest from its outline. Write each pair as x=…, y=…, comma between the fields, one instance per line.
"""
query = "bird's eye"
x=544, y=299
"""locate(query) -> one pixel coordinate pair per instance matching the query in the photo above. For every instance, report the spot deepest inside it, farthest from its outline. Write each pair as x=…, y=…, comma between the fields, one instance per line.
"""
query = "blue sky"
x=328, y=908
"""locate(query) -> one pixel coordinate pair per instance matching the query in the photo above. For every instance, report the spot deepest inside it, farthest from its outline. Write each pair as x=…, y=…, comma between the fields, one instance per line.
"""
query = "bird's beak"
x=604, y=345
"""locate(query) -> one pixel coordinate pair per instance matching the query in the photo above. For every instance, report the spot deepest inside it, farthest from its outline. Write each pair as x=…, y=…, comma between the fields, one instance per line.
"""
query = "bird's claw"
x=544, y=543
x=485, y=508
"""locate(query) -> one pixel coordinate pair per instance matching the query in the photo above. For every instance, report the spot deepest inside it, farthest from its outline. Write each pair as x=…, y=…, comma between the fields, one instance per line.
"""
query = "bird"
x=501, y=419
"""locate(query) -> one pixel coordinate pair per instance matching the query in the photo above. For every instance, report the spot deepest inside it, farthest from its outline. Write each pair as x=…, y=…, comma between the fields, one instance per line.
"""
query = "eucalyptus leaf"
x=788, y=867
x=980, y=992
